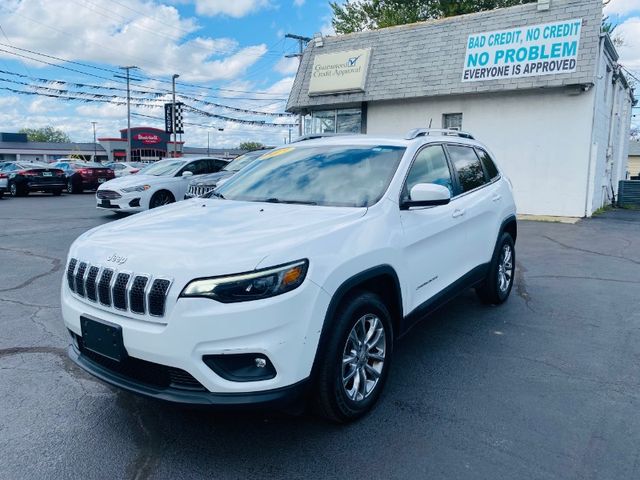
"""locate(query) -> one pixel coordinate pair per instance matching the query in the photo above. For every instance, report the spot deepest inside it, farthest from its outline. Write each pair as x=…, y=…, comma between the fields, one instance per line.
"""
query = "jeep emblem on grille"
x=116, y=259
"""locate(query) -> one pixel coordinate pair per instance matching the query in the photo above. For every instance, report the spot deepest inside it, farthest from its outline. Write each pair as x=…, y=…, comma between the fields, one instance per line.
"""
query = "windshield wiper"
x=297, y=202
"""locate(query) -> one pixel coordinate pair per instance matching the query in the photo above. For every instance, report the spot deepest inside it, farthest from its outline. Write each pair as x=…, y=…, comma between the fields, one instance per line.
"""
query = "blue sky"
x=236, y=48
x=233, y=48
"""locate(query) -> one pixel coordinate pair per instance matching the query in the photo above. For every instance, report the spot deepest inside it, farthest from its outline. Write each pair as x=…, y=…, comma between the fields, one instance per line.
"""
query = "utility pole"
x=95, y=148
x=128, y=109
x=173, y=114
x=302, y=41
x=208, y=143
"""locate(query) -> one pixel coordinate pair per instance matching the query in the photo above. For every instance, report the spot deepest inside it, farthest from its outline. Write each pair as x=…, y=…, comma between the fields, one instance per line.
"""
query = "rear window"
x=487, y=162
x=468, y=166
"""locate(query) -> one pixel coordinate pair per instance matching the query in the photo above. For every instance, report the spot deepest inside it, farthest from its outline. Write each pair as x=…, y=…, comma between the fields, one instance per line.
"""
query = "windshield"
x=163, y=167
x=345, y=176
x=244, y=160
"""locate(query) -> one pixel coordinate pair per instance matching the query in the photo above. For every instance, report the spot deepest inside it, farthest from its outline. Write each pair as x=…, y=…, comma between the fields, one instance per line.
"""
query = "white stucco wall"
x=541, y=139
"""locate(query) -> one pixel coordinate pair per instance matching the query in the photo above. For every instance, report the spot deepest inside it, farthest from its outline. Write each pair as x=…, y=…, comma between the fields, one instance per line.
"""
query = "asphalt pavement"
x=543, y=387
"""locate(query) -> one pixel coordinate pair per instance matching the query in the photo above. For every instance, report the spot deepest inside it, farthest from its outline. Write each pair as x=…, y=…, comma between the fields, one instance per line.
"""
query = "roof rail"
x=424, y=132
x=314, y=136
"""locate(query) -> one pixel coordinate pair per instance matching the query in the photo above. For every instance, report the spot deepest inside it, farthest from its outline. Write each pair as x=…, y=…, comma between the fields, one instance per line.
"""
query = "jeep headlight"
x=243, y=287
x=137, y=188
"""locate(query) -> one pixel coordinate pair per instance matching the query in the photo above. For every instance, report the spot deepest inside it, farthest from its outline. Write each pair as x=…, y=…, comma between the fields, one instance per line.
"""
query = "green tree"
x=249, y=146
x=359, y=15
x=46, y=134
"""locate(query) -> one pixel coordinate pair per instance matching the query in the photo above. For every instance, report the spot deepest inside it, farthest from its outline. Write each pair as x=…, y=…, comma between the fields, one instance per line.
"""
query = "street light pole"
x=173, y=113
x=302, y=41
x=128, y=110
x=208, y=143
x=95, y=147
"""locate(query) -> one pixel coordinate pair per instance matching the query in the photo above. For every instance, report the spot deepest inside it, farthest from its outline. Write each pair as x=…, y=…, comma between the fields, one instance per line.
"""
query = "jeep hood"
x=207, y=237
x=212, y=178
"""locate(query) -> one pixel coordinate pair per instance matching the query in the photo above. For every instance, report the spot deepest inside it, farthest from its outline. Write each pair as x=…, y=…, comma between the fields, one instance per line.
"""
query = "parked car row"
x=157, y=184
x=21, y=178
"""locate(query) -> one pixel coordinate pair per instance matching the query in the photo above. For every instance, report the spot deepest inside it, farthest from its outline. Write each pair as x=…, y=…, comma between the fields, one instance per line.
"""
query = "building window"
x=452, y=121
x=346, y=120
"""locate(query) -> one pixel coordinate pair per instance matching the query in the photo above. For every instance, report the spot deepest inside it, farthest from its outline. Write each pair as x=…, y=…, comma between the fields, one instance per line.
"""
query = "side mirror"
x=187, y=173
x=427, y=195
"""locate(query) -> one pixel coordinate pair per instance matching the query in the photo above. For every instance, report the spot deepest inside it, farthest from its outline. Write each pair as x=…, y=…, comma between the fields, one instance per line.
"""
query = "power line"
x=53, y=57
x=155, y=94
x=115, y=100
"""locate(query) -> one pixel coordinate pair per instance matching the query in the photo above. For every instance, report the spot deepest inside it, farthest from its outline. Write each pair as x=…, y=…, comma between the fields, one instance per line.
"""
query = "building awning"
x=119, y=154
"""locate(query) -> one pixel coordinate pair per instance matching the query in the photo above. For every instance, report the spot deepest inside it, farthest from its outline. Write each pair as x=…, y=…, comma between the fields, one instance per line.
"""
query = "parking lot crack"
x=521, y=285
x=56, y=265
x=593, y=252
x=27, y=304
x=577, y=277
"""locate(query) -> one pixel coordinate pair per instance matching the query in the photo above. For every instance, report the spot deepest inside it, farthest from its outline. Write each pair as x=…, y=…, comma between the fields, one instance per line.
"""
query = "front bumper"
x=285, y=329
x=276, y=398
x=128, y=202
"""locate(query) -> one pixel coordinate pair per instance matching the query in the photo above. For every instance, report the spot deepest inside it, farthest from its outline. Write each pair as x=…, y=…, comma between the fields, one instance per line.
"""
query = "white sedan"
x=122, y=169
x=158, y=184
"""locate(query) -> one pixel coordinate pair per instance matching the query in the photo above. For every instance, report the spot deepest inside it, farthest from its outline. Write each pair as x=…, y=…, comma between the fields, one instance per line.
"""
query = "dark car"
x=207, y=183
x=84, y=175
x=24, y=177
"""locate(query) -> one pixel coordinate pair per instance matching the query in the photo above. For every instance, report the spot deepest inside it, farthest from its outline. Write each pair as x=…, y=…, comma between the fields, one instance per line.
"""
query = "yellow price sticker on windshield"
x=275, y=153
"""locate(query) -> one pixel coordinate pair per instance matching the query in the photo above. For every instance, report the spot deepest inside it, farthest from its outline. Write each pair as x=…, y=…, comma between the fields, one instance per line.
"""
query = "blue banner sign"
x=527, y=51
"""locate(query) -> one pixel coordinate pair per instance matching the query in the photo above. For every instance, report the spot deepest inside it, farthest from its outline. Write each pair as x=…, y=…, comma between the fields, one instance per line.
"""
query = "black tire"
x=494, y=291
x=57, y=193
x=15, y=190
x=160, y=198
x=332, y=401
x=74, y=186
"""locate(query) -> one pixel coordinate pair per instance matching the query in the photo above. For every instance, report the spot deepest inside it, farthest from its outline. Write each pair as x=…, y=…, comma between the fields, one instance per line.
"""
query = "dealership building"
x=539, y=84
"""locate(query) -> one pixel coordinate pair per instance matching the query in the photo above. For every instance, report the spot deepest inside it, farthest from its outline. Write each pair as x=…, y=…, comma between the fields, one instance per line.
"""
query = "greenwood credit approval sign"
x=523, y=52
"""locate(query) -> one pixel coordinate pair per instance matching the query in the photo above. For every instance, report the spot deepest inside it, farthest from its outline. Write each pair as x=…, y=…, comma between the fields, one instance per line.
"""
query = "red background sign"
x=147, y=138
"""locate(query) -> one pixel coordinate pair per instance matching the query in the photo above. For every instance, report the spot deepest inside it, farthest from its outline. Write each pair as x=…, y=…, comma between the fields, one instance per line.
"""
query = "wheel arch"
x=510, y=226
x=381, y=280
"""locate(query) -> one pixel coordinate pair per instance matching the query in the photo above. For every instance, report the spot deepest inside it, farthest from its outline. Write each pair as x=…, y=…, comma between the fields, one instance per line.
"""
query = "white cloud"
x=629, y=32
x=622, y=7
x=298, y=3
x=116, y=34
x=231, y=8
x=287, y=66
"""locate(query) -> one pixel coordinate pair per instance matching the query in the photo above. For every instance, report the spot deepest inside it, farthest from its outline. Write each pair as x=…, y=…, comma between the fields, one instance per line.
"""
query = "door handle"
x=496, y=197
x=458, y=213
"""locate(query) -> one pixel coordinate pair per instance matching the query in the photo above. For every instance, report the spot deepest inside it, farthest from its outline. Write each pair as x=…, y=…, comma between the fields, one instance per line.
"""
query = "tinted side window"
x=219, y=165
x=430, y=166
x=468, y=166
x=489, y=166
x=198, y=167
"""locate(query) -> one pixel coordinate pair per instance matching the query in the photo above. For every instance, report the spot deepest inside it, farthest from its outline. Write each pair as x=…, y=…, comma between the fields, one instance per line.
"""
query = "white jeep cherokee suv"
x=297, y=277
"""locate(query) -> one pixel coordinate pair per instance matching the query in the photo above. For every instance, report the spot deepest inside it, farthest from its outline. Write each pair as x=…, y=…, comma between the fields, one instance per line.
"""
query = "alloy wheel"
x=14, y=190
x=363, y=357
x=162, y=199
x=505, y=268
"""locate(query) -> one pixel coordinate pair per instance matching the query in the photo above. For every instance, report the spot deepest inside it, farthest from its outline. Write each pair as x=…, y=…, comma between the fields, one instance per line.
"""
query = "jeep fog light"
x=243, y=367
x=255, y=285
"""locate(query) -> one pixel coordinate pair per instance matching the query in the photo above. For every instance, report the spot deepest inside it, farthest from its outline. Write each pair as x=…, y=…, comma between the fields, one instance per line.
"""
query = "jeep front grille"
x=125, y=291
x=199, y=190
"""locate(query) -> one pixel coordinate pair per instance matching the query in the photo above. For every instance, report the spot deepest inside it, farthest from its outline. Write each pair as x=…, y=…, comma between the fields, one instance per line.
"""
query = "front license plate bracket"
x=103, y=338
